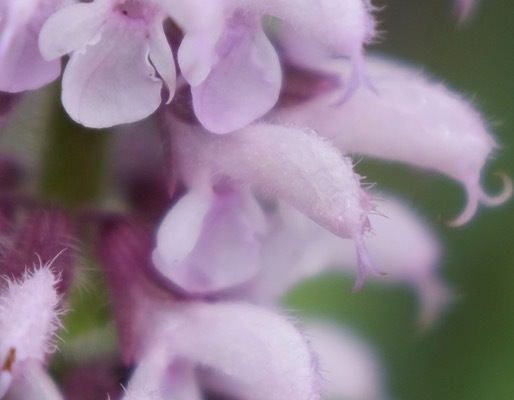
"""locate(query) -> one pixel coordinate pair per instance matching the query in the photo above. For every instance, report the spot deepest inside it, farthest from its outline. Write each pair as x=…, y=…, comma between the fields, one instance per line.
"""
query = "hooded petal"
x=294, y=164
x=411, y=120
x=245, y=81
x=112, y=81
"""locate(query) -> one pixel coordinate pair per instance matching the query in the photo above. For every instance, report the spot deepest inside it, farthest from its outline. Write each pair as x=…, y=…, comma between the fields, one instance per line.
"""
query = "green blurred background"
x=469, y=353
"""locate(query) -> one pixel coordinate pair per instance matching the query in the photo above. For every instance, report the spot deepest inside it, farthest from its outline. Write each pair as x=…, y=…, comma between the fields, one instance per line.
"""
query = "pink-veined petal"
x=243, y=84
x=112, y=82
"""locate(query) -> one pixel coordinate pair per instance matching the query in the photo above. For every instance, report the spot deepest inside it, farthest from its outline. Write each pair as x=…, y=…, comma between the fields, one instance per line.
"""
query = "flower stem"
x=73, y=162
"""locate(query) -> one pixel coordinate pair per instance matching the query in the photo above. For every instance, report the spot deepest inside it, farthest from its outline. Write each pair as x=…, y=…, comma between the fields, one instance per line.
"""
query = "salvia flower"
x=119, y=59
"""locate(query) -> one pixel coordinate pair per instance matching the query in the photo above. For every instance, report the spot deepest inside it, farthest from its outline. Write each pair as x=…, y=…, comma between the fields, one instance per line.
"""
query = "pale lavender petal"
x=227, y=249
x=244, y=83
x=202, y=23
x=349, y=368
x=196, y=55
x=181, y=228
x=411, y=119
x=73, y=27
x=21, y=65
x=112, y=82
x=255, y=353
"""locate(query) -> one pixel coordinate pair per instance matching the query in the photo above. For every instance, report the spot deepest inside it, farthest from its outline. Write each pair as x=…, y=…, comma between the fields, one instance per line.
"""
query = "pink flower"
x=21, y=65
x=234, y=71
x=117, y=48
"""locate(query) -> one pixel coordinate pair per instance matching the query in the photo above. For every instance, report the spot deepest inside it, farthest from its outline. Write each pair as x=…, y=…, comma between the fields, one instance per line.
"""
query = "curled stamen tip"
x=504, y=194
x=466, y=215
x=477, y=195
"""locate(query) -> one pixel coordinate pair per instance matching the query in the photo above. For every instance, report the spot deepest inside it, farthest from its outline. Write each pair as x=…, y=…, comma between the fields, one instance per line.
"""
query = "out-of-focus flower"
x=29, y=318
x=21, y=65
x=464, y=9
x=348, y=367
